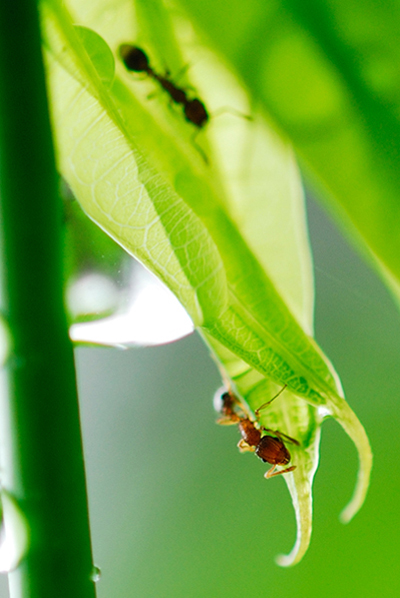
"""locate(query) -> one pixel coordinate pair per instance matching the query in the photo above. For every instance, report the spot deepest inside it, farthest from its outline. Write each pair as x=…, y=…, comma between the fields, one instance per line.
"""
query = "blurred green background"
x=177, y=512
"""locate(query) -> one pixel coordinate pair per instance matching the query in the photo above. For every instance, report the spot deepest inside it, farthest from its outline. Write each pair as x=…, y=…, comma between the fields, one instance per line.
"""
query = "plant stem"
x=42, y=459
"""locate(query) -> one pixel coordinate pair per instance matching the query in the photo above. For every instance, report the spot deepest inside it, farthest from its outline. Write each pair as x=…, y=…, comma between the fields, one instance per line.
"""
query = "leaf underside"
x=226, y=234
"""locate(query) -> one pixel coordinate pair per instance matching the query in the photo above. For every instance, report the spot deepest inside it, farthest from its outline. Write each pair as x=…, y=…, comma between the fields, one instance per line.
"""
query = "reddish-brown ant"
x=136, y=60
x=270, y=447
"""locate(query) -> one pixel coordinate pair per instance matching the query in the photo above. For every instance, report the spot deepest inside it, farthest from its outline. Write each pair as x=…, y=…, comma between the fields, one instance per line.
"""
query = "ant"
x=136, y=60
x=269, y=448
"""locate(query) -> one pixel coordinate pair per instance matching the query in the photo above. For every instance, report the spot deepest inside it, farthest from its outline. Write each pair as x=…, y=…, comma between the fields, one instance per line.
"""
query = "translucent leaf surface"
x=114, y=182
x=219, y=220
x=328, y=74
x=99, y=54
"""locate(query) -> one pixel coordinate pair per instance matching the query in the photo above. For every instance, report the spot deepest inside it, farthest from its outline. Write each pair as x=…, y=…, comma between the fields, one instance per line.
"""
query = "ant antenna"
x=257, y=411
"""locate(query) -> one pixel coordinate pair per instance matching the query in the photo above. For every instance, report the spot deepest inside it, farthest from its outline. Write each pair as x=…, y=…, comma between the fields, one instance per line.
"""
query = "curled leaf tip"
x=361, y=488
x=299, y=549
x=352, y=426
x=300, y=487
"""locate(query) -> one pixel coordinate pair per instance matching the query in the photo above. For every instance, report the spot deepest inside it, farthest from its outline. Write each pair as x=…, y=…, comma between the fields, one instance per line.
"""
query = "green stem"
x=41, y=446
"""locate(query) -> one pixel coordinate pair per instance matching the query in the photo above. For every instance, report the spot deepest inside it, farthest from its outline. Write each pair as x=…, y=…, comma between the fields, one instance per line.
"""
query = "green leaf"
x=117, y=187
x=226, y=233
x=99, y=54
x=330, y=79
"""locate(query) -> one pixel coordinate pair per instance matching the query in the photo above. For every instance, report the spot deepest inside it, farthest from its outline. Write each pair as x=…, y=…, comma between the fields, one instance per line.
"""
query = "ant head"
x=224, y=404
x=222, y=398
x=134, y=58
x=196, y=112
x=272, y=450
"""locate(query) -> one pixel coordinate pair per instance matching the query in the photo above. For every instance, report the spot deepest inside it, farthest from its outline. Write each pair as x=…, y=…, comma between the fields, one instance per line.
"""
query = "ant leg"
x=281, y=435
x=229, y=110
x=153, y=95
x=228, y=421
x=181, y=72
x=271, y=473
x=139, y=76
x=288, y=438
x=257, y=411
x=244, y=447
x=196, y=145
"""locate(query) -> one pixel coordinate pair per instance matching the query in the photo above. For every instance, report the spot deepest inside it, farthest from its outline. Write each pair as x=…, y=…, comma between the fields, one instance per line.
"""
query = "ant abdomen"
x=196, y=113
x=272, y=450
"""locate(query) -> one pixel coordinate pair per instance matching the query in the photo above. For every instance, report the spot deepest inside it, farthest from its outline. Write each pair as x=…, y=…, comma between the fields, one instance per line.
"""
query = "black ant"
x=136, y=60
x=271, y=449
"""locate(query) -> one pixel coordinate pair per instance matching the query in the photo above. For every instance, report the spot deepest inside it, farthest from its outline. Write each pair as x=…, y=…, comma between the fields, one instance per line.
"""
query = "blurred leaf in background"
x=328, y=74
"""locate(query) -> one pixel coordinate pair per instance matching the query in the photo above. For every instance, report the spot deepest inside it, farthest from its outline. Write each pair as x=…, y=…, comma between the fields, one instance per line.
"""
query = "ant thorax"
x=250, y=434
